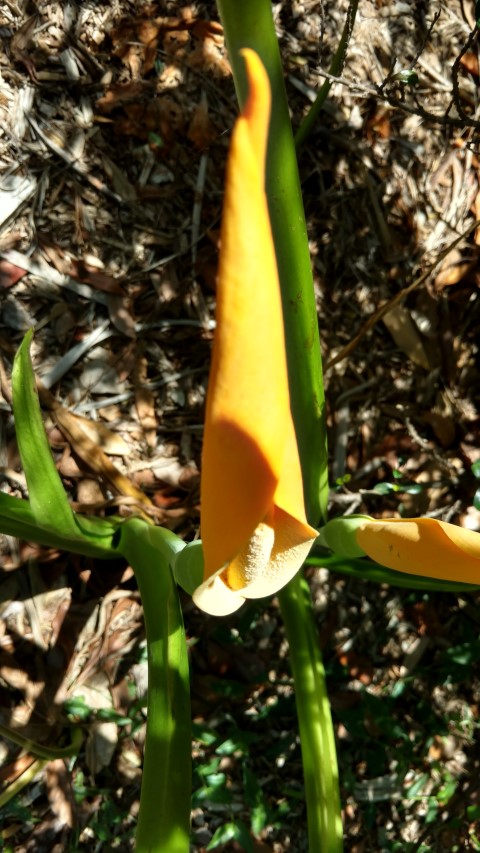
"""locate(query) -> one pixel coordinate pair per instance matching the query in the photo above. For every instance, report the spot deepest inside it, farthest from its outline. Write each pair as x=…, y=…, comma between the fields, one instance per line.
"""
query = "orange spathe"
x=254, y=530
x=423, y=546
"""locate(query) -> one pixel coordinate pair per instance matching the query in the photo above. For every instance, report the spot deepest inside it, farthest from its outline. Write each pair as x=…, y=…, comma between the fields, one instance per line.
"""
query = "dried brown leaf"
x=22, y=39
x=200, y=130
x=443, y=426
x=210, y=58
x=109, y=441
x=145, y=402
x=9, y=274
x=120, y=182
x=11, y=771
x=101, y=744
x=120, y=312
x=89, y=493
x=406, y=336
x=77, y=425
x=469, y=61
x=81, y=270
x=102, y=736
x=359, y=666
x=93, y=455
x=453, y=269
x=58, y=784
x=121, y=94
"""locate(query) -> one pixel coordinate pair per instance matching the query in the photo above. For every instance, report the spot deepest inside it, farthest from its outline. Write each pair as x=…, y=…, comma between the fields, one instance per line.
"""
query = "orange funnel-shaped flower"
x=254, y=530
x=423, y=546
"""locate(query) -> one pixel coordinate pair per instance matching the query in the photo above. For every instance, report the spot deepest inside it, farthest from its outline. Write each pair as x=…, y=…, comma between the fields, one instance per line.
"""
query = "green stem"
x=334, y=70
x=40, y=750
x=23, y=780
x=316, y=730
x=92, y=537
x=164, y=818
x=365, y=569
x=249, y=23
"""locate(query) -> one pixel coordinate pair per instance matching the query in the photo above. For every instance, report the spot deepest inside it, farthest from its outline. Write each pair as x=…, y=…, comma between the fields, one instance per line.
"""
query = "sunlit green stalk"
x=319, y=755
x=164, y=818
x=249, y=23
x=335, y=69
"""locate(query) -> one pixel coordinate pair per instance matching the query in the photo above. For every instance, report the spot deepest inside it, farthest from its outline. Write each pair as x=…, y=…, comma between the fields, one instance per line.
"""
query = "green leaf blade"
x=48, y=501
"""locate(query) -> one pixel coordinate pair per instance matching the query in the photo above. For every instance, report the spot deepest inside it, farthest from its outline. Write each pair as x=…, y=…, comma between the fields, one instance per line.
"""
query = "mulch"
x=114, y=128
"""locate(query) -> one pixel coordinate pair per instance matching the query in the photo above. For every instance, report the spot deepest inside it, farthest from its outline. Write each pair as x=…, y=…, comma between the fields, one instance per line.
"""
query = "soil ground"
x=114, y=127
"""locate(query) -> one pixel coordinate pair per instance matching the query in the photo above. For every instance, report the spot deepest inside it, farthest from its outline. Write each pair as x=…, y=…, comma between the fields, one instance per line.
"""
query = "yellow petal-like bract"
x=423, y=546
x=254, y=530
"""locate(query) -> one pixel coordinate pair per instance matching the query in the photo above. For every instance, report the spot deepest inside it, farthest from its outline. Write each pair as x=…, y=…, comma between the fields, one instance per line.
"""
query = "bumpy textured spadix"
x=254, y=530
x=423, y=546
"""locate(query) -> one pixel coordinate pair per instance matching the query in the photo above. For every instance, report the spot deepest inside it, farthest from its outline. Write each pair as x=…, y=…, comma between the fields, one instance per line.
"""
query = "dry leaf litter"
x=114, y=126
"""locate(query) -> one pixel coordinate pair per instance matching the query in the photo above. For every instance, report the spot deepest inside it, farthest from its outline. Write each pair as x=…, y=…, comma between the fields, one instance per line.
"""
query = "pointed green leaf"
x=48, y=500
x=232, y=832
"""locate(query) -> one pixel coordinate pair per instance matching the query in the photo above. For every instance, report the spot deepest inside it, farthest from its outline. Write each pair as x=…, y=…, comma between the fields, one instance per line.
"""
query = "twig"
x=366, y=91
x=197, y=296
x=391, y=303
x=336, y=67
x=455, y=68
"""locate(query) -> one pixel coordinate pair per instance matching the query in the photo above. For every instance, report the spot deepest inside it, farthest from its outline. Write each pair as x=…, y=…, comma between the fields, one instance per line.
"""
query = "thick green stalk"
x=319, y=756
x=250, y=24
x=164, y=818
